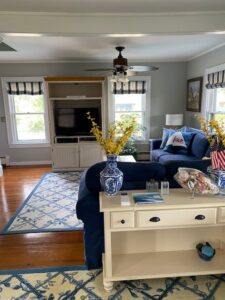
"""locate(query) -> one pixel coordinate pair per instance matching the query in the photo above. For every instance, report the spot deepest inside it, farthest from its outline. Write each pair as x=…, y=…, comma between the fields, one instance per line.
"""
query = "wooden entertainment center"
x=159, y=240
x=74, y=148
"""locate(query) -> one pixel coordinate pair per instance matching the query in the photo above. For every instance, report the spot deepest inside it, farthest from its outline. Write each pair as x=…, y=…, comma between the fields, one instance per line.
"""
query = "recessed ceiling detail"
x=115, y=6
x=147, y=48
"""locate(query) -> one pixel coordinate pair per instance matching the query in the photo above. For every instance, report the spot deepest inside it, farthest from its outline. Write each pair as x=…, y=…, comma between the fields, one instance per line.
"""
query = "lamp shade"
x=174, y=119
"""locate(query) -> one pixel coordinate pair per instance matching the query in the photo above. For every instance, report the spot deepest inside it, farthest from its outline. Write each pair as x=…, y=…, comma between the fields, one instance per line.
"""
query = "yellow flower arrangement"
x=214, y=130
x=117, y=137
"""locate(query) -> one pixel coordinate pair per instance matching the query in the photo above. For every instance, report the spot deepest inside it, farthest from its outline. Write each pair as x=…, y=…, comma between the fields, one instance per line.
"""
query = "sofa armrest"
x=154, y=144
x=173, y=166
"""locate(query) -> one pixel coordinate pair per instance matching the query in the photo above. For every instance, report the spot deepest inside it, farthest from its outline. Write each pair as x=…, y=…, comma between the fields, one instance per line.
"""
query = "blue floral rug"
x=76, y=283
x=51, y=206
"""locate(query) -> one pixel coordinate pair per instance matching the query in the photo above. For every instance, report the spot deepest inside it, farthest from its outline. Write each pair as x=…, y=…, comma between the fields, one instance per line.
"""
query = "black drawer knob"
x=154, y=219
x=200, y=217
x=122, y=221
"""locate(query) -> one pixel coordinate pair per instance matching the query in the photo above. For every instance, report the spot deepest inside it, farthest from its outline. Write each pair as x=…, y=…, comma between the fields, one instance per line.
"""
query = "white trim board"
x=30, y=163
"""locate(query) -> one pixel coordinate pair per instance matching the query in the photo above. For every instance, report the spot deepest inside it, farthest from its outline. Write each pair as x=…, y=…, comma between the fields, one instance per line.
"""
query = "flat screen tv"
x=74, y=122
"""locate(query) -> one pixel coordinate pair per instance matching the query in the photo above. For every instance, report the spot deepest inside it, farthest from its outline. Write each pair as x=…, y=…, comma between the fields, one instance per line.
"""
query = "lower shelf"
x=165, y=264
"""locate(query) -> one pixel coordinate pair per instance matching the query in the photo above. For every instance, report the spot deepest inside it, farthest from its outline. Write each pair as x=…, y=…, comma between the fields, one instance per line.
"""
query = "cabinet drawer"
x=176, y=217
x=221, y=214
x=122, y=219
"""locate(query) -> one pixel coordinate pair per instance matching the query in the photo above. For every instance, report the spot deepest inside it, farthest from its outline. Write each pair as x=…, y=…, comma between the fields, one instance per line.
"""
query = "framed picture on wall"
x=194, y=94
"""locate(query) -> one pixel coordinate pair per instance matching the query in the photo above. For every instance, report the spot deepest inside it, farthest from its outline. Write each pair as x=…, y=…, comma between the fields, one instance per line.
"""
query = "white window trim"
x=207, y=93
x=111, y=106
x=9, y=122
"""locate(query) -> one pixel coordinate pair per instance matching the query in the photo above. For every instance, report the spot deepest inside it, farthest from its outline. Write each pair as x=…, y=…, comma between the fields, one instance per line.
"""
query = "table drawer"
x=122, y=219
x=221, y=214
x=176, y=217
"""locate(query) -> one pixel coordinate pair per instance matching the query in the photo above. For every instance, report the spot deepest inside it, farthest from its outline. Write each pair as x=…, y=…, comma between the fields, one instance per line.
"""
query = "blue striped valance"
x=25, y=88
x=216, y=80
x=130, y=87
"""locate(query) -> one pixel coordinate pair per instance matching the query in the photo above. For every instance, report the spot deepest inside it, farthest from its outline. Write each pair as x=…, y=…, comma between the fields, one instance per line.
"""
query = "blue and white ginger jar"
x=111, y=178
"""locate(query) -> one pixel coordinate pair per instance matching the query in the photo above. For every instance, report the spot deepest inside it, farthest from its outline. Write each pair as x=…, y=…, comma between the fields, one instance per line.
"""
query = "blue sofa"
x=135, y=177
x=198, y=148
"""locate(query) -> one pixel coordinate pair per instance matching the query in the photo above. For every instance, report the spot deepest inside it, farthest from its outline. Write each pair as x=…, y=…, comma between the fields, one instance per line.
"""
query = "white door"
x=65, y=157
x=90, y=153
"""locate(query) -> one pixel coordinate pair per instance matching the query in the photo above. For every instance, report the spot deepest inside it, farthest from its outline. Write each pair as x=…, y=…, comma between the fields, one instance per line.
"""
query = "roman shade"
x=216, y=80
x=25, y=88
x=130, y=87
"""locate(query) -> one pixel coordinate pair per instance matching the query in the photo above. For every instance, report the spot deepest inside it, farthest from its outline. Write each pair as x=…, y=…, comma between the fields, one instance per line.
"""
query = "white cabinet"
x=90, y=153
x=69, y=98
x=65, y=157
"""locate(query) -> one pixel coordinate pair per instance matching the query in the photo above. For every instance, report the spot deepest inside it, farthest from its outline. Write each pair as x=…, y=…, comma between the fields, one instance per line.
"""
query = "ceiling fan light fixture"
x=120, y=77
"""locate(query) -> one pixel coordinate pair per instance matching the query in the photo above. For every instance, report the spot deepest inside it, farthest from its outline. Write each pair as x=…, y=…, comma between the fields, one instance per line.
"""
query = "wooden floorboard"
x=33, y=250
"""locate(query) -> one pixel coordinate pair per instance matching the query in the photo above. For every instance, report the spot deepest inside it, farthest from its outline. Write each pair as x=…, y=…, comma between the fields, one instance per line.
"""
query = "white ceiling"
x=96, y=47
x=112, y=6
x=101, y=48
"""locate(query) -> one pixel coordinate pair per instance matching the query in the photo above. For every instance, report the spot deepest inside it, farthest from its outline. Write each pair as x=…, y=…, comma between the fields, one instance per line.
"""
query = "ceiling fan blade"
x=142, y=68
x=5, y=47
x=131, y=73
x=103, y=69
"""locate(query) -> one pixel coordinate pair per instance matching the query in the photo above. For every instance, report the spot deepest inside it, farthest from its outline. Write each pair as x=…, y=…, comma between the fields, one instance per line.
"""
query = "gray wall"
x=168, y=93
x=196, y=68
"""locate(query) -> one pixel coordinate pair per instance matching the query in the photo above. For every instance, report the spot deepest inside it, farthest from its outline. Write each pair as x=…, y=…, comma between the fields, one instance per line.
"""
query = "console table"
x=159, y=240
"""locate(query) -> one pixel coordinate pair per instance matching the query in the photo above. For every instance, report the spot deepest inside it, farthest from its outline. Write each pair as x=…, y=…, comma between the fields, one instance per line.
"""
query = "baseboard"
x=30, y=163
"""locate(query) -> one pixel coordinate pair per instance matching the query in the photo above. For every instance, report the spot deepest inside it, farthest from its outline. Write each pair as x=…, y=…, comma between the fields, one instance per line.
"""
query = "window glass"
x=220, y=100
x=30, y=127
x=131, y=105
x=28, y=103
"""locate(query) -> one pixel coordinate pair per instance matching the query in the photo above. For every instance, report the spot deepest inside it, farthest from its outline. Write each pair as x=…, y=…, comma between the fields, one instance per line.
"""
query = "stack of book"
x=147, y=198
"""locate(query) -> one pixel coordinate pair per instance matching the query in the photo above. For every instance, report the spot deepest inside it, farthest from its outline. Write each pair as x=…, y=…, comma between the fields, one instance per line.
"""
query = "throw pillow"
x=166, y=133
x=179, y=142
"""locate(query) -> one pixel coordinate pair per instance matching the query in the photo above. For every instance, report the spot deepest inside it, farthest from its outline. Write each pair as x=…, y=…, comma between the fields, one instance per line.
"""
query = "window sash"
x=30, y=141
x=13, y=114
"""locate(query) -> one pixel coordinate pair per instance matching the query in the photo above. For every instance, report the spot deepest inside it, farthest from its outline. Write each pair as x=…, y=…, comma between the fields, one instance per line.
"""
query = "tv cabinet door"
x=90, y=153
x=65, y=157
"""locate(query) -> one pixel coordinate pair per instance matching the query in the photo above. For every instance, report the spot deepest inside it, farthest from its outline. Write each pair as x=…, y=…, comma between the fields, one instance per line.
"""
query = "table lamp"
x=174, y=120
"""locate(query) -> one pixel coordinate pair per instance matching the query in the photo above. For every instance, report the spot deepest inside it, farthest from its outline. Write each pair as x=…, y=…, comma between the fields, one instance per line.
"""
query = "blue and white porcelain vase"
x=221, y=180
x=111, y=178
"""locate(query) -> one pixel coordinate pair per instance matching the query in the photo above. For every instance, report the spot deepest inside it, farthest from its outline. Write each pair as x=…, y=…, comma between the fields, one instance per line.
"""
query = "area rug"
x=51, y=206
x=75, y=283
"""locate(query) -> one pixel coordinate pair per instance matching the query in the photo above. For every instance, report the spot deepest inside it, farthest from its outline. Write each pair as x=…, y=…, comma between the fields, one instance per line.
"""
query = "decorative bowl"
x=195, y=181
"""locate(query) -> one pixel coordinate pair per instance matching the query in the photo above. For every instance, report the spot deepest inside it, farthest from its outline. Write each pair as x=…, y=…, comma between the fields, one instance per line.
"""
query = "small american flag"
x=218, y=156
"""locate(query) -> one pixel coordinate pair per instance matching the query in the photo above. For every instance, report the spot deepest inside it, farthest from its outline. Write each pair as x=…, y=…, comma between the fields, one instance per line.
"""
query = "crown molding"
x=103, y=24
x=67, y=14
x=205, y=52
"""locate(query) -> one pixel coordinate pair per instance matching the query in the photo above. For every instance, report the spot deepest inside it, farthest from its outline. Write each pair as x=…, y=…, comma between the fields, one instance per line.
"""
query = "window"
x=219, y=109
x=26, y=116
x=131, y=98
x=214, y=102
x=131, y=104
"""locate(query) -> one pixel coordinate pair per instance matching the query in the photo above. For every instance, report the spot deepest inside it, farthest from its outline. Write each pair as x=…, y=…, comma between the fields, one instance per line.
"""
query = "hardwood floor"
x=32, y=250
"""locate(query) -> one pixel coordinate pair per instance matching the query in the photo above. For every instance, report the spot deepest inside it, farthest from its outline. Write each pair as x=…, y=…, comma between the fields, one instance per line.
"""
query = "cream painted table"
x=159, y=240
x=122, y=158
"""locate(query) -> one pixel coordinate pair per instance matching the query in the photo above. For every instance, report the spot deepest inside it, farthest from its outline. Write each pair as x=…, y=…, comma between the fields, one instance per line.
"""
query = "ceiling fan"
x=121, y=69
x=4, y=46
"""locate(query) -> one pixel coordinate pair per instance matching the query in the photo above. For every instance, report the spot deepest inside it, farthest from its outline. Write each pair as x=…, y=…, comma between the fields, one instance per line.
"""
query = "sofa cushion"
x=176, y=157
x=208, y=152
x=179, y=142
x=166, y=134
x=156, y=154
x=199, y=145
